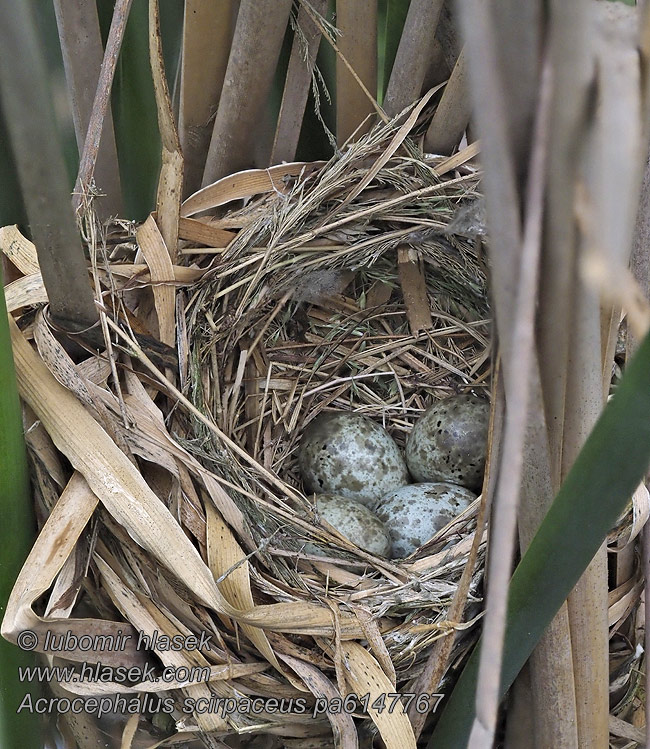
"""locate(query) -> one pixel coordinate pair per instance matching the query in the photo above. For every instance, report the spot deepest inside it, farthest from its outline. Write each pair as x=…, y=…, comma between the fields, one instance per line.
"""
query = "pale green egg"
x=414, y=513
x=449, y=442
x=350, y=455
x=354, y=521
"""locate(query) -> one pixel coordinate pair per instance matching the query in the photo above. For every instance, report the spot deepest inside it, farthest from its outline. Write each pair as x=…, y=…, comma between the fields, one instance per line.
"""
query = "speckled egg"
x=414, y=513
x=350, y=455
x=354, y=521
x=449, y=442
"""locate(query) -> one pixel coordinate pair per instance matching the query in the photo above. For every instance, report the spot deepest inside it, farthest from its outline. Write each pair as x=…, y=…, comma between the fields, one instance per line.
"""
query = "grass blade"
x=16, y=729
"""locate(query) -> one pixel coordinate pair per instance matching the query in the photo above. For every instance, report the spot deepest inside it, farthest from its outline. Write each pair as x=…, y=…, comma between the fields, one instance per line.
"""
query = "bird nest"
x=165, y=464
x=303, y=288
x=344, y=287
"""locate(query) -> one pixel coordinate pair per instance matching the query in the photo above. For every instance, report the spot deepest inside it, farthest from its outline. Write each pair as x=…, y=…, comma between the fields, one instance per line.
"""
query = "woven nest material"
x=310, y=308
x=354, y=285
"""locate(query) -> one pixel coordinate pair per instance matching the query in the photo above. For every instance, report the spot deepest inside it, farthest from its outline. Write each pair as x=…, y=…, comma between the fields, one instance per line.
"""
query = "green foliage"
x=134, y=113
x=589, y=503
x=12, y=210
x=392, y=15
x=16, y=729
x=48, y=32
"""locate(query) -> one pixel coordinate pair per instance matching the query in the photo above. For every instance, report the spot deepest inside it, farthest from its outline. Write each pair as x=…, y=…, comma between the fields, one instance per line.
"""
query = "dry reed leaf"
x=59, y=363
x=57, y=360
x=66, y=589
x=435, y=560
x=227, y=688
x=343, y=728
x=303, y=617
x=130, y=730
x=365, y=676
x=115, y=481
x=632, y=522
x=129, y=499
x=194, y=230
x=625, y=730
x=95, y=369
x=156, y=254
x=146, y=618
x=623, y=600
x=229, y=566
x=25, y=292
x=338, y=575
x=458, y=159
x=141, y=435
x=244, y=185
x=19, y=250
x=81, y=728
x=53, y=546
x=377, y=644
x=641, y=511
x=170, y=184
x=139, y=272
x=40, y=444
x=147, y=419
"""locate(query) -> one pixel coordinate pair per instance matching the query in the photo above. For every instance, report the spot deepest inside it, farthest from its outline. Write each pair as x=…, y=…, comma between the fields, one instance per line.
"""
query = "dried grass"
x=294, y=306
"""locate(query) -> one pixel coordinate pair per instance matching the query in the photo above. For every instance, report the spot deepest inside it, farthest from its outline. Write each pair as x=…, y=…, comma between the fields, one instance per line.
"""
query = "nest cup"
x=346, y=287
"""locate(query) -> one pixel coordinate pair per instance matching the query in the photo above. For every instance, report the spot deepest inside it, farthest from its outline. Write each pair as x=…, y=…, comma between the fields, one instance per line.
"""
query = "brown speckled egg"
x=449, y=442
x=413, y=514
x=354, y=521
x=348, y=454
